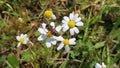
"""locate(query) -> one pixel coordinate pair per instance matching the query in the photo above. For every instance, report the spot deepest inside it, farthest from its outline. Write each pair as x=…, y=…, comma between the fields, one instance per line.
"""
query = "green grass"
x=97, y=42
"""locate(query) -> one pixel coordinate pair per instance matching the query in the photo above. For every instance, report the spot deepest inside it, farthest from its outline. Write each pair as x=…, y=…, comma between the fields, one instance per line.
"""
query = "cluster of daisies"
x=69, y=26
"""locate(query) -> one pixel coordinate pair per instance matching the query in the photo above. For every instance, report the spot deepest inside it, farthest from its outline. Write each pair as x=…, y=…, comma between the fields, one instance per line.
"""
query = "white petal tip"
x=53, y=17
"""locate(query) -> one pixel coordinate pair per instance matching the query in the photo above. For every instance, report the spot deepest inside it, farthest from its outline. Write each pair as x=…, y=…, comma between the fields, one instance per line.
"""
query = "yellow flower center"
x=71, y=24
x=49, y=34
x=21, y=40
x=66, y=41
x=48, y=14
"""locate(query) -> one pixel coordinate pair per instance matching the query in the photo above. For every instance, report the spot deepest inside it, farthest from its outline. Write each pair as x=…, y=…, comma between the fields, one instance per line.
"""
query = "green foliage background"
x=97, y=42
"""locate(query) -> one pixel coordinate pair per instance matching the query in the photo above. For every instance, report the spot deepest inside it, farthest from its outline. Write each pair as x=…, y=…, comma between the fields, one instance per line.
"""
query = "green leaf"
x=1, y=23
x=12, y=61
x=15, y=14
x=117, y=23
x=9, y=6
x=2, y=59
x=1, y=44
x=99, y=44
x=72, y=54
x=5, y=37
x=36, y=33
x=27, y=56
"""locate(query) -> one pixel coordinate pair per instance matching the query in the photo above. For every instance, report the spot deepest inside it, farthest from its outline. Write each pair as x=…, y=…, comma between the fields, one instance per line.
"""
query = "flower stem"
x=87, y=25
x=108, y=57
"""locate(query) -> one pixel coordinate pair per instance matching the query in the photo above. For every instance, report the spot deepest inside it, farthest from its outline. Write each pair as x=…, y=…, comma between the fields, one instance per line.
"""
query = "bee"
x=52, y=30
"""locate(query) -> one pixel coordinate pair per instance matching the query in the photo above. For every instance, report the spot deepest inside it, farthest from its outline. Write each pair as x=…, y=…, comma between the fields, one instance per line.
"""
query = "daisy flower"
x=49, y=14
x=23, y=39
x=71, y=23
x=65, y=43
x=48, y=35
x=97, y=65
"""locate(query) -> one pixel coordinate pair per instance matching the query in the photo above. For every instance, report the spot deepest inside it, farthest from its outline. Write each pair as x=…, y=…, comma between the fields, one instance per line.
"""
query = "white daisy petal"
x=65, y=28
x=58, y=28
x=97, y=65
x=72, y=31
x=77, y=19
x=76, y=16
x=18, y=45
x=71, y=16
x=50, y=40
x=79, y=23
x=63, y=25
x=41, y=37
x=46, y=30
x=59, y=38
x=26, y=40
x=76, y=30
x=66, y=19
x=103, y=65
x=60, y=46
x=52, y=24
x=43, y=25
x=41, y=30
x=18, y=37
x=53, y=17
x=25, y=35
x=21, y=35
x=72, y=41
x=67, y=49
x=53, y=41
x=64, y=22
x=48, y=44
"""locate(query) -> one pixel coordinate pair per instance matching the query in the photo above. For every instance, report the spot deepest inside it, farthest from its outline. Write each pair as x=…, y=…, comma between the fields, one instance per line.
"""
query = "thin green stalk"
x=82, y=63
x=87, y=26
x=47, y=3
x=63, y=65
x=108, y=57
x=104, y=49
x=36, y=63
